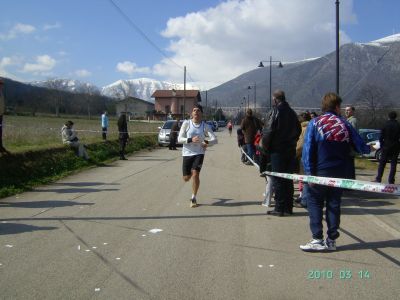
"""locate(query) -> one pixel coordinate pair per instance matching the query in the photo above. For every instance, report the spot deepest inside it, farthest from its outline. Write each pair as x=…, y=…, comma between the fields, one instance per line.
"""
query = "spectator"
x=349, y=111
x=313, y=114
x=351, y=168
x=390, y=145
x=173, y=136
x=123, y=135
x=104, y=125
x=70, y=138
x=301, y=201
x=325, y=152
x=250, y=125
x=241, y=144
x=2, y=111
x=280, y=136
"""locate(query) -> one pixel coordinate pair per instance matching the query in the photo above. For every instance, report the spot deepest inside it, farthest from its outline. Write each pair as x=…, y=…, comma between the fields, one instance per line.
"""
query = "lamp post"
x=337, y=47
x=261, y=65
x=255, y=101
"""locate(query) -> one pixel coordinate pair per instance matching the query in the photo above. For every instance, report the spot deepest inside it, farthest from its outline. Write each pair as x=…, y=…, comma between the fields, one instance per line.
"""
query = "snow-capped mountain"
x=68, y=85
x=141, y=88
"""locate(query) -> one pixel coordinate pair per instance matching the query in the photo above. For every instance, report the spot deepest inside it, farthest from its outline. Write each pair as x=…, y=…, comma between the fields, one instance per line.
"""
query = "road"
x=126, y=231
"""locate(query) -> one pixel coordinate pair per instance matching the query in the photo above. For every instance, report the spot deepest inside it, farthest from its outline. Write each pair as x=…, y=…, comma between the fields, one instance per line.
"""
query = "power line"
x=137, y=28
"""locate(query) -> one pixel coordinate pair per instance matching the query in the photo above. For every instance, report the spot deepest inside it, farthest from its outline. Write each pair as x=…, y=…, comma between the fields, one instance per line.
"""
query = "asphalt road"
x=126, y=231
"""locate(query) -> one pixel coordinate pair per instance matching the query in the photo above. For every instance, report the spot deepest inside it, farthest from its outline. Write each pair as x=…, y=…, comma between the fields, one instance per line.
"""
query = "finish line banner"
x=351, y=184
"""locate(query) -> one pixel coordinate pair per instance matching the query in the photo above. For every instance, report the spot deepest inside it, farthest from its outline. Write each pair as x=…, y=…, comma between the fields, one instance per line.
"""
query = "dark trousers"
x=350, y=168
x=122, y=145
x=104, y=133
x=1, y=131
x=393, y=165
x=320, y=195
x=172, y=141
x=283, y=163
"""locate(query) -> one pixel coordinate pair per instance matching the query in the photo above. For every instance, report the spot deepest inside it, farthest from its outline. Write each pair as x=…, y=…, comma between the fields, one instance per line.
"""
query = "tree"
x=374, y=101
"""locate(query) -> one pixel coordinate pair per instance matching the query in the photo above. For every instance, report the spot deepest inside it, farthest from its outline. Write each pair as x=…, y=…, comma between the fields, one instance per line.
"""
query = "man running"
x=192, y=136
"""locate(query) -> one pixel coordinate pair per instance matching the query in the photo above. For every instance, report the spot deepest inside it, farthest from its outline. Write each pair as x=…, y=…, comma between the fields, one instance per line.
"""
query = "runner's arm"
x=182, y=139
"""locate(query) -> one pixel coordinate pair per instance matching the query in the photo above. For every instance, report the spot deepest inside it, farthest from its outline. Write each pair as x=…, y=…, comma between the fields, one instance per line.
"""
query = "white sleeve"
x=212, y=138
x=182, y=139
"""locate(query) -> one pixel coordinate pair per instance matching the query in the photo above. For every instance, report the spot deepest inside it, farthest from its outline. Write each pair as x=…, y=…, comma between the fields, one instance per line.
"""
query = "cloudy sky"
x=102, y=41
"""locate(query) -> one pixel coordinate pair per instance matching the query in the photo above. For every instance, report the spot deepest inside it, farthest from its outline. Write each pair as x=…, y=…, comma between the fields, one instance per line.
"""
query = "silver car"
x=165, y=131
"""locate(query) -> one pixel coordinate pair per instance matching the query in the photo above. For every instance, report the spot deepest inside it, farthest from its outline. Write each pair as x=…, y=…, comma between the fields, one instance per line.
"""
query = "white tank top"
x=192, y=131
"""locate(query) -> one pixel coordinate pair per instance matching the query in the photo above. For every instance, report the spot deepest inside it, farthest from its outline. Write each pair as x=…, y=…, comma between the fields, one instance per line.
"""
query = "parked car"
x=212, y=125
x=371, y=137
x=221, y=123
x=165, y=131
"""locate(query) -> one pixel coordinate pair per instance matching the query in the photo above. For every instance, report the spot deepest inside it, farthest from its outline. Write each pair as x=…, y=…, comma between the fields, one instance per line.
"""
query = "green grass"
x=38, y=155
x=23, y=134
x=366, y=164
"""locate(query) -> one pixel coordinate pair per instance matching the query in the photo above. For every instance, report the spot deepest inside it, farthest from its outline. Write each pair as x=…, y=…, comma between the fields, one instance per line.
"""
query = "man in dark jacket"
x=250, y=125
x=390, y=145
x=280, y=136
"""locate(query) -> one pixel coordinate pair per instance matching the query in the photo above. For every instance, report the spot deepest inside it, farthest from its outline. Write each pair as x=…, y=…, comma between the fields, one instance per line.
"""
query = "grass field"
x=22, y=133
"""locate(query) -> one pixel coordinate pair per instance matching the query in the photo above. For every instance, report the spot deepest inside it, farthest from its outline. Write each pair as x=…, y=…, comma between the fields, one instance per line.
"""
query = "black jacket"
x=282, y=129
x=390, y=135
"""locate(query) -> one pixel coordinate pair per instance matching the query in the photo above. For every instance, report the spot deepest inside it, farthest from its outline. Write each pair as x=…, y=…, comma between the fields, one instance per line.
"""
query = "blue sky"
x=217, y=40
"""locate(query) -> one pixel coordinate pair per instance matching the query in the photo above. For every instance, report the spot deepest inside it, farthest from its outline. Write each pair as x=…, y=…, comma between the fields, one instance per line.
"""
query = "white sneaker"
x=314, y=245
x=330, y=244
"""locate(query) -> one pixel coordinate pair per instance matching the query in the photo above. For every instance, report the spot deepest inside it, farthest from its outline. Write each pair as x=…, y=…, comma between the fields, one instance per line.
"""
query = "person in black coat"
x=390, y=145
x=173, y=136
x=123, y=135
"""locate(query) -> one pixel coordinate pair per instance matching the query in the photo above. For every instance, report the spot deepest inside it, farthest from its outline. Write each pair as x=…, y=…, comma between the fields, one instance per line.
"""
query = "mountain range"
x=141, y=88
x=365, y=69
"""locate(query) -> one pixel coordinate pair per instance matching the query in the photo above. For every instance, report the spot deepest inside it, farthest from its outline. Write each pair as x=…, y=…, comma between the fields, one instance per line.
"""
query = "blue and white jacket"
x=328, y=142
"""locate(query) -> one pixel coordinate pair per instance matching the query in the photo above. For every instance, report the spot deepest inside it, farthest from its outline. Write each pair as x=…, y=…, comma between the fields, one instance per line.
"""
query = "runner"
x=230, y=127
x=192, y=135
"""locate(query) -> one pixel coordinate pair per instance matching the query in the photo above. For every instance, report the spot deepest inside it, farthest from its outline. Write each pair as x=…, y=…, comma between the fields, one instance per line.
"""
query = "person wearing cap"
x=2, y=110
x=70, y=138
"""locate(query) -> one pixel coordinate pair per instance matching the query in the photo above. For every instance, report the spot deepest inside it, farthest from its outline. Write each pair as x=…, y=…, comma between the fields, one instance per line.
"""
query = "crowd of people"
x=320, y=145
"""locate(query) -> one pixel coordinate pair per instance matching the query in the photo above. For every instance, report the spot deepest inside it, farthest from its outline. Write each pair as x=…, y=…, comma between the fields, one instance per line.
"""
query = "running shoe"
x=193, y=203
x=314, y=245
x=330, y=244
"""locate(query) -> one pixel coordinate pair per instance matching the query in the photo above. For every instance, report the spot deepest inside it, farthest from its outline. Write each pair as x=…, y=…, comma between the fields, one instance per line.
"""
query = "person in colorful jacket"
x=327, y=145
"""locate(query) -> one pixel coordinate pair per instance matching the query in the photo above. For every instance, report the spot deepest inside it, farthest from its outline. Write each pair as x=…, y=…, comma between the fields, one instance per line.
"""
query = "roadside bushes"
x=22, y=171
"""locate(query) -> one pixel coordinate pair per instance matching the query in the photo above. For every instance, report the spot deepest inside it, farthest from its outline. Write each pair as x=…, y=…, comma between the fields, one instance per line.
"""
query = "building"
x=136, y=108
x=171, y=103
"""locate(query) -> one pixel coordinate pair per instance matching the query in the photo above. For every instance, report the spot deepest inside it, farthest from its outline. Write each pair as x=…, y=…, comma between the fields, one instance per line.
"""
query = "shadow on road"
x=42, y=204
x=72, y=190
x=83, y=183
x=371, y=245
x=15, y=228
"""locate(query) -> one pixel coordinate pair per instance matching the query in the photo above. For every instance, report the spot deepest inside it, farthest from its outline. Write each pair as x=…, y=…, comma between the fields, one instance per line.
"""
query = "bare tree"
x=374, y=101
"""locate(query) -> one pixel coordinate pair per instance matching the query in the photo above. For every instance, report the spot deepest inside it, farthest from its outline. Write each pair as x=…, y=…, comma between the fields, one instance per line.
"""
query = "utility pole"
x=337, y=47
x=184, y=92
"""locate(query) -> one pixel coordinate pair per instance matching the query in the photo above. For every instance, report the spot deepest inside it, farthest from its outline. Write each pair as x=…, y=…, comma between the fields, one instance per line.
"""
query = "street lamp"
x=255, y=100
x=261, y=65
x=337, y=47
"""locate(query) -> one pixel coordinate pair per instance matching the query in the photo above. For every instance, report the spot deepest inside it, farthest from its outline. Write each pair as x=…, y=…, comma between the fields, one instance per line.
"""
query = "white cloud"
x=7, y=62
x=83, y=73
x=52, y=26
x=223, y=42
x=17, y=30
x=44, y=64
x=130, y=68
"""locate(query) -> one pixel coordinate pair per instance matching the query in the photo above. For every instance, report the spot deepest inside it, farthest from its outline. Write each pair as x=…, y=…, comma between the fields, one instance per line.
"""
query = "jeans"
x=250, y=150
x=393, y=165
x=104, y=133
x=320, y=195
x=283, y=162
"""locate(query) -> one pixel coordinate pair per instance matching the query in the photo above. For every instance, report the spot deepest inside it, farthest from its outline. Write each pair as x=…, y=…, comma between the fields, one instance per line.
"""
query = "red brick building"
x=170, y=102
